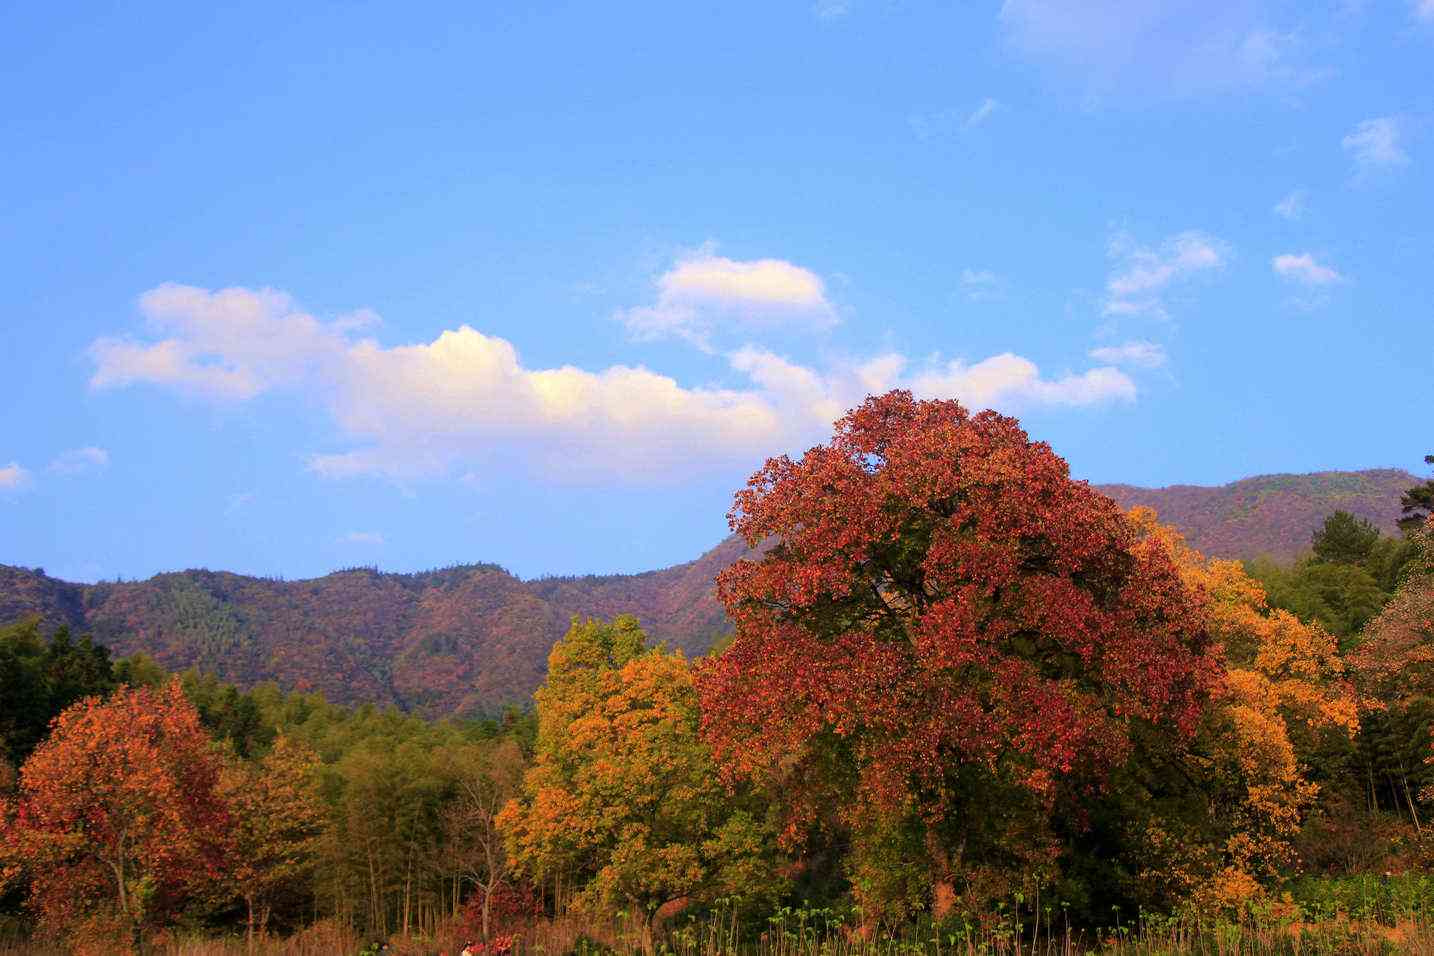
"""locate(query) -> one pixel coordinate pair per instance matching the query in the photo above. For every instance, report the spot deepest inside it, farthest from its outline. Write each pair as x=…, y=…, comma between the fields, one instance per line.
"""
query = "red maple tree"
x=938, y=597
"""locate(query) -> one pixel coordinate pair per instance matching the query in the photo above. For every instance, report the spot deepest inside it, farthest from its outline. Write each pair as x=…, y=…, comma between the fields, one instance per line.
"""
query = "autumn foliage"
x=943, y=613
x=963, y=689
x=623, y=808
x=118, y=813
x=1284, y=683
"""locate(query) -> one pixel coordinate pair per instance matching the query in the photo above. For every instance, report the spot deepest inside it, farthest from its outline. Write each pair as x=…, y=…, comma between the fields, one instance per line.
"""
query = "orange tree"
x=623, y=808
x=1285, y=701
x=944, y=648
x=117, y=816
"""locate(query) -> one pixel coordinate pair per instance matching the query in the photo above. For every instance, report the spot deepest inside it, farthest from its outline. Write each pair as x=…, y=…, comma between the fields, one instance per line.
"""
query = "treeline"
x=134, y=800
x=964, y=694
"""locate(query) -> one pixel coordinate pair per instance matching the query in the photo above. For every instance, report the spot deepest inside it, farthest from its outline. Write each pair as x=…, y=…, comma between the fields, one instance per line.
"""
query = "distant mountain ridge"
x=469, y=639
x=1271, y=515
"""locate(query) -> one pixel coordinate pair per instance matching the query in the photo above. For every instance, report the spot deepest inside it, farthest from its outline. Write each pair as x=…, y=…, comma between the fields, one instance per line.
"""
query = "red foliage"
x=941, y=593
x=117, y=808
x=513, y=907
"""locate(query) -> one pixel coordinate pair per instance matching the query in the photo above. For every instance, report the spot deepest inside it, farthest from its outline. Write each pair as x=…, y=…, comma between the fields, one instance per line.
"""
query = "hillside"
x=458, y=640
x=1271, y=515
x=472, y=638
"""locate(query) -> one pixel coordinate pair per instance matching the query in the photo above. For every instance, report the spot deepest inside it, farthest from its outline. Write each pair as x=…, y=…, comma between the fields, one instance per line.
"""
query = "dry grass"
x=787, y=936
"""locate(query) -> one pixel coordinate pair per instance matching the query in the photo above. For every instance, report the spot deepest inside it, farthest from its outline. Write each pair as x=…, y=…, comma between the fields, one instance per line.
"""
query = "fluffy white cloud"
x=1424, y=10
x=1138, y=353
x=1006, y=379
x=1292, y=207
x=704, y=292
x=466, y=399
x=1142, y=275
x=831, y=9
x=13, y=477
x=1375, y=145
x=231, y=344
x=362, y=537
x=78, y=461
x=1303, y=268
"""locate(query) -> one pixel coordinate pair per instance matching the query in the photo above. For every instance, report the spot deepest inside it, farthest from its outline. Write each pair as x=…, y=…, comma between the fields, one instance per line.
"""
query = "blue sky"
x=297, y=287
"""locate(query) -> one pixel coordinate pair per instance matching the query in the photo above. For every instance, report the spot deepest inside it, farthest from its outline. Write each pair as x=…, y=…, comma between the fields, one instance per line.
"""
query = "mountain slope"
x=468, y=639
x=1272, y=515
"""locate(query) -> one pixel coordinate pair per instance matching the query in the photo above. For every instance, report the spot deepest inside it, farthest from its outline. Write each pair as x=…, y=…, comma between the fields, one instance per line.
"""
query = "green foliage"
x=41, y=677
x=1344, y=539
x=1341, y=597
x=1418, y=503
x=1344, y=582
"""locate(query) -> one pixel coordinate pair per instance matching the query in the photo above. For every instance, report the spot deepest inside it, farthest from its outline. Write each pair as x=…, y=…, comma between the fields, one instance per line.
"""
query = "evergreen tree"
x=1344, y=539
x=1418, y=503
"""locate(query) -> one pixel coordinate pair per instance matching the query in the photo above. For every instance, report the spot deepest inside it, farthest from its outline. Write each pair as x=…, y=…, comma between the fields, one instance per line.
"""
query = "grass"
x=1349, y=915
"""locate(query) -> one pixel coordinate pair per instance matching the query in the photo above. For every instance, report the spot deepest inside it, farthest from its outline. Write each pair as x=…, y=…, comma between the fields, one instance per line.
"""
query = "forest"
x=969, y=704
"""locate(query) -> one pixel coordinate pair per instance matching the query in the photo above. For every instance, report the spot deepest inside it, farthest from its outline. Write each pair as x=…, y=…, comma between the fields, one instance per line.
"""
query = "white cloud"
x=831, y=9
x=1142, y=275
x=1304, y=269
x=1008, y=379
x=1424, y=10
x=1375, y=145
x=704, y=293
x=13, y=477
x=78, y=461
x=1138, y=353
x=981, y=113
x=981, y=285
x=362, y=537
x=231, y=344
x=466, y=402
x=1160, y=48
x=1292, y=207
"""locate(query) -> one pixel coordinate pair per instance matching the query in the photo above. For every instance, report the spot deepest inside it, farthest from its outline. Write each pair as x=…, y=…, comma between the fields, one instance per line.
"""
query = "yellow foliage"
x=1282, y=677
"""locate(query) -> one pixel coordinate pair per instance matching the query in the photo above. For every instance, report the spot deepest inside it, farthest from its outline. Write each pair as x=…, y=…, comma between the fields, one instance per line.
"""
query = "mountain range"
x=472, y=638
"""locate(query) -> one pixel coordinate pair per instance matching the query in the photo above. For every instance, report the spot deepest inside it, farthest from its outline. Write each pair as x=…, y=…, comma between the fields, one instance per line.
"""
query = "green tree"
x=624, y=803
x=1344, y=539
x=276, y=820
x=486, y=775
x=1418, y=503
x=40, y=678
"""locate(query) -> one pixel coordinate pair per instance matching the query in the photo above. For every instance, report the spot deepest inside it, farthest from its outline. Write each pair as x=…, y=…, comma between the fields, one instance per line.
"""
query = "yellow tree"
x=277, y=819
x=623, y=802
x=1284, y=683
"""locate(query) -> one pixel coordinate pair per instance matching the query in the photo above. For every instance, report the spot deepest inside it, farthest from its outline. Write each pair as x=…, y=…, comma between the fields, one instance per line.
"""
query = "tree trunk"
x=943, y=882
x=644, y=931
x=249, y=935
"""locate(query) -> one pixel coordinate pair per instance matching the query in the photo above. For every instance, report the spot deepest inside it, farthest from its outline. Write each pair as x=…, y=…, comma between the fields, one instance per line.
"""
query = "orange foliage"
x=1282, y=678
x=117, y=815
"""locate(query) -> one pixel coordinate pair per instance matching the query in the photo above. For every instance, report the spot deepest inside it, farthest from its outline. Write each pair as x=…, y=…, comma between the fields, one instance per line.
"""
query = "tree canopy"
x=944, y=622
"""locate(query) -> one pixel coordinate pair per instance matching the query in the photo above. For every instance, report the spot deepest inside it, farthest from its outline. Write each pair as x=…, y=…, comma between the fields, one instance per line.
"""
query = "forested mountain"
x=473, y=638
x=1271, y=515
x=456, y=640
